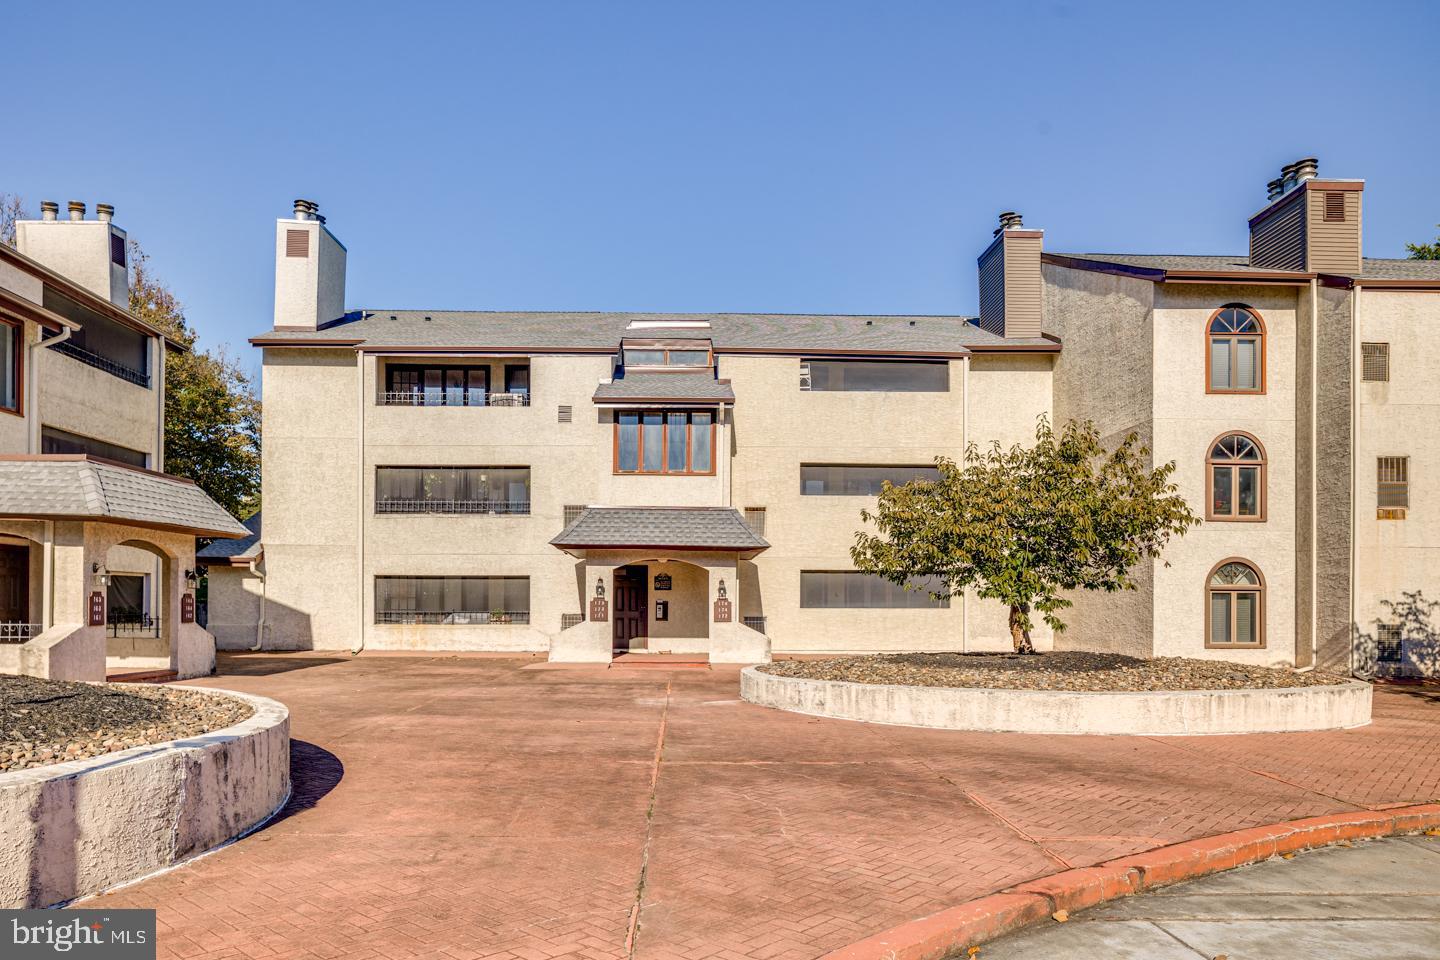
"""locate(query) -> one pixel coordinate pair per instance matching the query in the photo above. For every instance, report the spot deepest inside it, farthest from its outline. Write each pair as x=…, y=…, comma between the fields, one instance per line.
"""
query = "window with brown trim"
x=1234, y=606
x=665, y=441
x=1375, y=362
x=1392, y=487
x=12, y=373
x=661, y=355
x=1235, y=351
x=1236, y=467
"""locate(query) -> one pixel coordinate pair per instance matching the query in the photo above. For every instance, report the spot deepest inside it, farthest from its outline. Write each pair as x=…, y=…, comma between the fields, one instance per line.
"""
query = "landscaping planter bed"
x=52, y=721
x=1065, y=693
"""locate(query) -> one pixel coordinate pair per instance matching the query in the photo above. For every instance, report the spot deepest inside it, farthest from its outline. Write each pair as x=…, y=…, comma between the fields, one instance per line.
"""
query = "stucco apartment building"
x=97, y=543
x=581, y=483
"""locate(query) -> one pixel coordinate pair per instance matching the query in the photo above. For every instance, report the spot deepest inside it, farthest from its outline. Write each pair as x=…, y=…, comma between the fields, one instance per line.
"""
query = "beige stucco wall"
x=308, y=486
x=1398, y=418
x=234, y=597
x=78, y=398
x=1187, y=421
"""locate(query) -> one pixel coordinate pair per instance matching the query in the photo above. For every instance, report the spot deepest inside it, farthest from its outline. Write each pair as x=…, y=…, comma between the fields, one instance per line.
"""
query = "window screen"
x=60, y=441
x=452, y=600
x=831, y=588
x=880, y=376
x=10, y=354
x=857, y=480
x=1393, y=482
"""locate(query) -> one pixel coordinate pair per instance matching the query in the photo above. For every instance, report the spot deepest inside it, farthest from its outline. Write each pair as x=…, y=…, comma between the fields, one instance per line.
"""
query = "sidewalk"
x=1377, y=899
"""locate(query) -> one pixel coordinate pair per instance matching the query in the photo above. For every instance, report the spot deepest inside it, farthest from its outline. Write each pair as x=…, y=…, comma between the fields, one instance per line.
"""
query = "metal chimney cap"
x=1307, y=168
x=302, y=209
x=77, y=210
x=49, y=209
x=104, y=212
x=1275, y=187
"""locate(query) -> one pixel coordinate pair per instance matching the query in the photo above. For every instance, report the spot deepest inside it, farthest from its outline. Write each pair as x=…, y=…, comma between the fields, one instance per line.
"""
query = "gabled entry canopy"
x=660, y=528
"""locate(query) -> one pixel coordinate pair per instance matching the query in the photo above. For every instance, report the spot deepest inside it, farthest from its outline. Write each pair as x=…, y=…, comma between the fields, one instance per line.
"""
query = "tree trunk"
x=1019, y=634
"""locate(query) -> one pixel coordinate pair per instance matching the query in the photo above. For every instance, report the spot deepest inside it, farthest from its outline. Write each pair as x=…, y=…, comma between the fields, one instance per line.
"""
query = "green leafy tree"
x=1424, y=251
x=212, y=413
x=1025, y=525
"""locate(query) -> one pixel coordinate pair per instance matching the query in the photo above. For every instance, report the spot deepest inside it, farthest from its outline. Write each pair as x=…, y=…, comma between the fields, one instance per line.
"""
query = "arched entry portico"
x=140, y=584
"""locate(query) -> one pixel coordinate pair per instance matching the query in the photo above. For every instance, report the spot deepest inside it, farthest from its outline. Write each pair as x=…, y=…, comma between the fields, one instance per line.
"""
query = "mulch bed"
x=51, y=721
x=1064, y=670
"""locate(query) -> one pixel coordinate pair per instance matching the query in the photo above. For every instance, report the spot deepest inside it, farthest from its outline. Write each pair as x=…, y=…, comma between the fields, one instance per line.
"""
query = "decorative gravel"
x=1065, y=670
x=51, y=721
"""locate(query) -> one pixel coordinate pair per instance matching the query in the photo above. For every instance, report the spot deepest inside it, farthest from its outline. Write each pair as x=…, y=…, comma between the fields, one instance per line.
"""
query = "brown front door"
x=632, y=625
x=14, y=584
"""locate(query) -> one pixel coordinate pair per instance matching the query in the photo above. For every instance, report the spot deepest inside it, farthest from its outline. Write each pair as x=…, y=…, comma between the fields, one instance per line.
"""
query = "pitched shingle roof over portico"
x=86, y=488
x=664, y=387
x=673, y=528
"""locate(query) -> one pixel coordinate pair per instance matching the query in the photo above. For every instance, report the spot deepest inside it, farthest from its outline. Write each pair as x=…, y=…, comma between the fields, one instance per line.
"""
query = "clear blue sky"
x=770, y=156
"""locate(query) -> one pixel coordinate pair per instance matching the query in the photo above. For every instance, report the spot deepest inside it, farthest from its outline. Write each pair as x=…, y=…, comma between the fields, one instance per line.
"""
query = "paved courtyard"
x=465, y=807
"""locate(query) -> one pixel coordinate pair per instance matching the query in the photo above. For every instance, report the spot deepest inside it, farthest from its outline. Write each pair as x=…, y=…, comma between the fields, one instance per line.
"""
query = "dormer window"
x=667, y=355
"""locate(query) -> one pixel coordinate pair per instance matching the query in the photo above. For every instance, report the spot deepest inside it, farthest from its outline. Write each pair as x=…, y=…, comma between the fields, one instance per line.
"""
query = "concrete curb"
x=83, y=826
x=1154, y=713
x=951, y=932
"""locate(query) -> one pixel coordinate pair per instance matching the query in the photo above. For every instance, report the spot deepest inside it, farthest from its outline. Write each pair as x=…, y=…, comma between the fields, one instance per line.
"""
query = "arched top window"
x=1236, y=479
x=1235, y=606
x=1235, y=361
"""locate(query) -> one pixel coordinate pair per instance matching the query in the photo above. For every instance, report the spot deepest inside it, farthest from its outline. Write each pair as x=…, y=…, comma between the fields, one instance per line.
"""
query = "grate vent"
x=1334, y=207
x=1375, y=362
x=297, y=243
x=565, y=413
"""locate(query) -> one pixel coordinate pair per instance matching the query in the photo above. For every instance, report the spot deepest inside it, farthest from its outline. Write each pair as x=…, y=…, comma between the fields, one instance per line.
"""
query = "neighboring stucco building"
x=97, y=543
x=587, y=482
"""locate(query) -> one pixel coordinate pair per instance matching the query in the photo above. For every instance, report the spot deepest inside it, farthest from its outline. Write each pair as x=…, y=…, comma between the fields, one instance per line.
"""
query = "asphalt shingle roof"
x=80, y=487
x=696, y=528
x=666, y=386
x=900, y=335
x=246, y=548
x=1371, y=268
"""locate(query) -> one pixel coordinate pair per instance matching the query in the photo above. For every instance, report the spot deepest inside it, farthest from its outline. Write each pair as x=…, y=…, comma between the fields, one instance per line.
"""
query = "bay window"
x=665, y=442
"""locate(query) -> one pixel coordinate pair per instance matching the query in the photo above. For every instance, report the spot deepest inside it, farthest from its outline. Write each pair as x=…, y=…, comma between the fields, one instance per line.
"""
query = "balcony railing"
x=450, y=398
x=112, y=367
x=754, y=623
x=14, y=632
x=452, y=617
x=122, y=624
x=493, y=507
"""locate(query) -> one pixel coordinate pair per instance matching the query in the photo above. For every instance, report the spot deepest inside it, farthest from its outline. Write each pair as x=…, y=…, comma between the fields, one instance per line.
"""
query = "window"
x=517, y=379
x=12, y=374
x=1235, y=609
x=437, y=386
x=665, y=441
x=1388, y=639
x=59, y=441
x=452, y=600
x=297, y=243
x=755, y=520
x=845, y=588
x=1375, y=362
x=1236, y=359
x=493, y=490
x=853, y=480
x=1237, y=479
x=667, y=356
x=883, y=376
x=1392, y=487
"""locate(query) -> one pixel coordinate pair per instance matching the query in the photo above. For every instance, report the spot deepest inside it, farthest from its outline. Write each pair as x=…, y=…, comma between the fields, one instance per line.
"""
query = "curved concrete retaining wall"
x=77, y=828
x=1151, y=713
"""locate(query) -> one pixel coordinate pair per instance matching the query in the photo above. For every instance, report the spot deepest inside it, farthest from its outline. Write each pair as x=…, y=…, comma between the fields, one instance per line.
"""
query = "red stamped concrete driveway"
x=466, y=807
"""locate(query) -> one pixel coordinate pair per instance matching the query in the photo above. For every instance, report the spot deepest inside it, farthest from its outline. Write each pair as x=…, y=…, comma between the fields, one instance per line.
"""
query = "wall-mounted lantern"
x=192, y=579
x=599, y=588
x=720, y=590
x=99, y=575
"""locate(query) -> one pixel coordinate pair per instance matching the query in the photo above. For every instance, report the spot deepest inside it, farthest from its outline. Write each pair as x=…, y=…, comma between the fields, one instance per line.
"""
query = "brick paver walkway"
x=458, y=808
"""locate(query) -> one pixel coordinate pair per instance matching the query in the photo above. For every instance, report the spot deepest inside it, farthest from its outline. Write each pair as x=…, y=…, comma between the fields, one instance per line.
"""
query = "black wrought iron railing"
x=568, y=620
x=112, y=367
x=12, y=631
x=122, y=624
x=452, y=617
x=450, y=398
x=399, y=505
x=754, y=623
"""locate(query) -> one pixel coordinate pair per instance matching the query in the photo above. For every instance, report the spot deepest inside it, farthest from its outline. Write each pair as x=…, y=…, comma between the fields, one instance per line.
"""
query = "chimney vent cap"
x=1307, y=168
x=104, y=212
x=1009, y=220
x=49, y=209
x=77, y=210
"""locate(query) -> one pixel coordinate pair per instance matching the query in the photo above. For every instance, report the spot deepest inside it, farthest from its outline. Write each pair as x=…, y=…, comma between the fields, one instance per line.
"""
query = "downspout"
x=1314, y=482
x=47, y=578
x=32, y=386
x=964, y=445
x=260, y=626
x=1354, y=467
x=360, y=502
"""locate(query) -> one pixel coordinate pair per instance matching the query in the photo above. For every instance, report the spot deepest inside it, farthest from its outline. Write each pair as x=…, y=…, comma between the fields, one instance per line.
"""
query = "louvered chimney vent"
x=1009, y=220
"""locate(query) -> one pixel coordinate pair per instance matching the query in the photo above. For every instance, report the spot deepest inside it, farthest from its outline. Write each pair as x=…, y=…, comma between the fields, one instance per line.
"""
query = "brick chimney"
x=1011, y=292
x=309, y=270
x=1308, y=223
